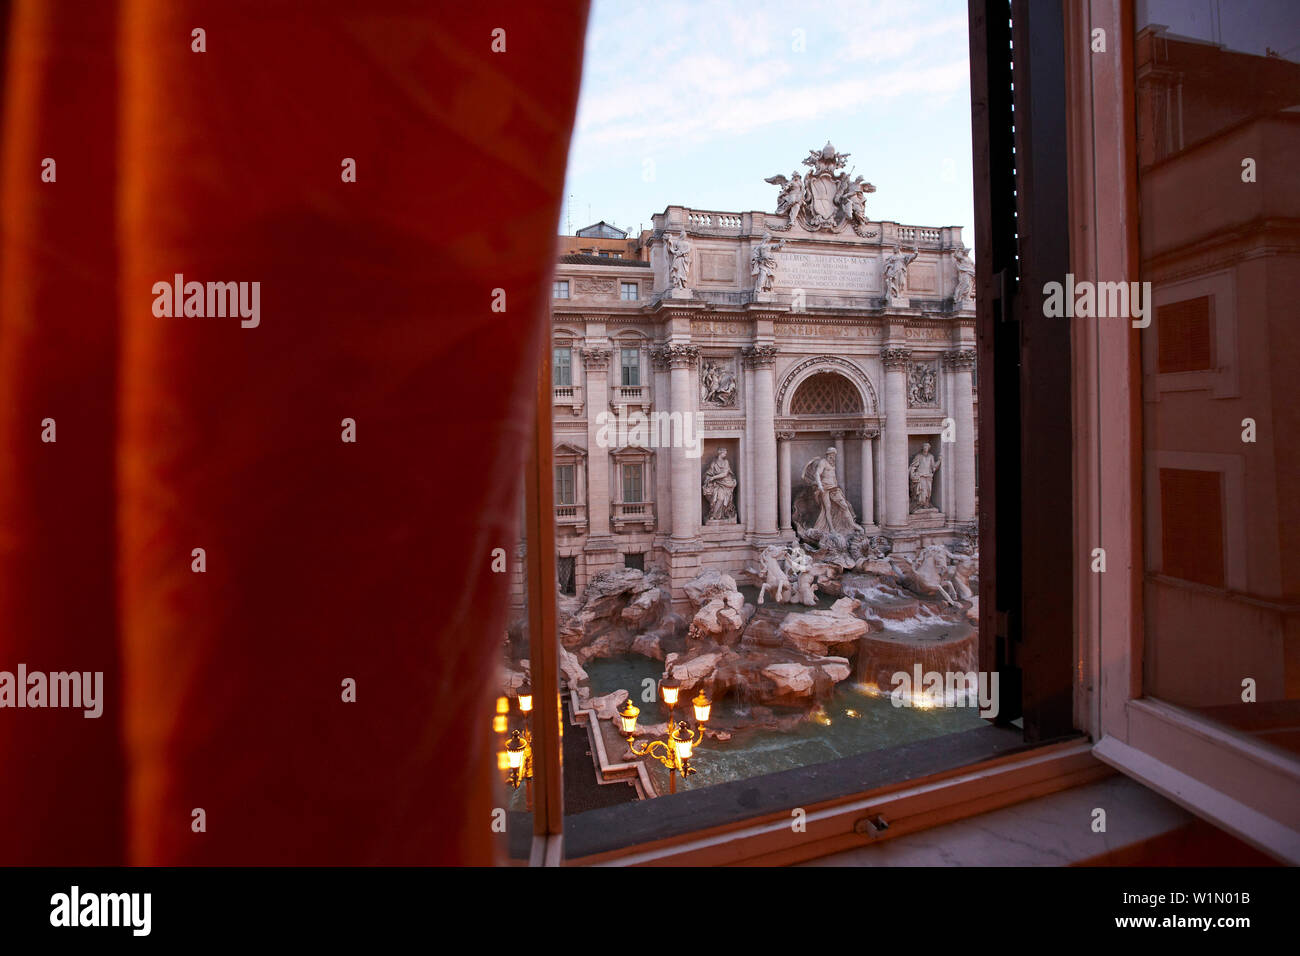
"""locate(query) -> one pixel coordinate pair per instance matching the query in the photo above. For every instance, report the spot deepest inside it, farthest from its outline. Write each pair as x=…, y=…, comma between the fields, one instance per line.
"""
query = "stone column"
x=838, y=438
x=894, y=443
x=663, y=489
x=596, y=363
x=783, y=478
x=685, y=478
x=868, y=436
x=747, y=450
x=961, y=363
x=761, y=359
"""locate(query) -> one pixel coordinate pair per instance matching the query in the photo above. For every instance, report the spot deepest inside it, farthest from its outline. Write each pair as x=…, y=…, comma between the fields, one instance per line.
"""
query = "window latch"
x=872, y=826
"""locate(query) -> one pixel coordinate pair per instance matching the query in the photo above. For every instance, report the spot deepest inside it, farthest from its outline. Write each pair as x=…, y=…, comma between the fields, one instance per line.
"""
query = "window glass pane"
x=562, y=368
x=564, y=485
x=1217, y=136
x=631, y=367
x=779, y=508
x=632, y=483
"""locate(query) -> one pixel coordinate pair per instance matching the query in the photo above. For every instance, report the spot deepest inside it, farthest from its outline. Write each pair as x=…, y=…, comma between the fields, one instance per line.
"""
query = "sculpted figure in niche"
x=836, y=512
x=679, y=248
x=762, y=262
x=921, y=472
x=965, y=277
x=896, y=271
x=720, y=488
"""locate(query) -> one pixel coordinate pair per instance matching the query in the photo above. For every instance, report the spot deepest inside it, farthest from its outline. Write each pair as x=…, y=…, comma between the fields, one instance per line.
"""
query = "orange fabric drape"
x=325, y=560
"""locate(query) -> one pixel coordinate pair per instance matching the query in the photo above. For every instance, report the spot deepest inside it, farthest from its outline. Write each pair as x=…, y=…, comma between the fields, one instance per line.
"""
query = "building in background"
x=749, y=344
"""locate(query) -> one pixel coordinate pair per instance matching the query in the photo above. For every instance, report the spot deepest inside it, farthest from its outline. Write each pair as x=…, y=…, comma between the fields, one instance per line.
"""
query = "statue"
x=965, y=277
x=791, y=199
x=926, y=574
x=774, y=577
x=720, y=488
x=717, y=385
x=679, y=249
x=921, y=472
x=965, y=569
x=896, y=271
x=763, y=263
x=836, y=513
x=802, y=569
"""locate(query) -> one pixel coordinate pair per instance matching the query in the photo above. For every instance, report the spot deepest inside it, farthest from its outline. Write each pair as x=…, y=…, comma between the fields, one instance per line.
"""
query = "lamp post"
x=675, y=753
x=519, y=748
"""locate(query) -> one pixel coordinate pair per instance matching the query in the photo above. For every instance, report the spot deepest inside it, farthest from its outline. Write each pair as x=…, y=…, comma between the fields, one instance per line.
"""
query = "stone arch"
x=822, y=364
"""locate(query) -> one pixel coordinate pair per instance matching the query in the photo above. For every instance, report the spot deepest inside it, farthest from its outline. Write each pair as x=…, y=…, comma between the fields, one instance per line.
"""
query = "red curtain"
x=325, y=560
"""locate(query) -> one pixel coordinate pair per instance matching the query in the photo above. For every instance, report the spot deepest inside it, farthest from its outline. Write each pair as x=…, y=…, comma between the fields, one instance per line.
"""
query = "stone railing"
x=571, y=516
x=632, y=512
x=919, y=234
x=713, y=220
x=630, y=395
x=570, y=395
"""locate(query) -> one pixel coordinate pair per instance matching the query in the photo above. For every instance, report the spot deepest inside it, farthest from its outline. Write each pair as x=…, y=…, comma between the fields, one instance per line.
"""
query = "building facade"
x=696, y=389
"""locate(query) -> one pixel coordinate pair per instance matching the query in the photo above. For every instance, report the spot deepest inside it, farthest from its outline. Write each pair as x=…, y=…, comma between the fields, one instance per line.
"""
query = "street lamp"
x=675, y=753
x=519, y=748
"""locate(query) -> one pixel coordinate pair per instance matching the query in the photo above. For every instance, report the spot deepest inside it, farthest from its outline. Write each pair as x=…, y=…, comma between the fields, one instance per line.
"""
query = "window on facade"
x=632, y=484
x=565, y=566
x=562, y=367
x=627, y=291
x=631, y=367
x=634, y=561
x=1185, y=339
x=560, y=289
x=564, y=485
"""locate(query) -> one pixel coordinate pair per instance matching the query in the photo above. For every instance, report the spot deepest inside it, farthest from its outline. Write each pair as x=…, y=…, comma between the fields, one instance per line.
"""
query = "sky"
x=696, y=102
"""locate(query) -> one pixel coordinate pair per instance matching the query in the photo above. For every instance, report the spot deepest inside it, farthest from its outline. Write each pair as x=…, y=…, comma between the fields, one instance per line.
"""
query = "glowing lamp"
x=515, y=748
x=526, y=698
x=682, y=741
x=627, y=717
x=702, y=707
x=669, y=689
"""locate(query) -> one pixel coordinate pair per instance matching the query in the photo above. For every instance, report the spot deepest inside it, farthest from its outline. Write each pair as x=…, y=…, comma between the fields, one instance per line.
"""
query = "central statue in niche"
x=836, y=512
x=720, y=489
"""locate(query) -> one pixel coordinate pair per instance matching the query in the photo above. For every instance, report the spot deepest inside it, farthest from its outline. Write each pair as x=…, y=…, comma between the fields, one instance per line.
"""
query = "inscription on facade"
x=717, y=266
x=808, y=270
x=835, y=331
x=717, y=328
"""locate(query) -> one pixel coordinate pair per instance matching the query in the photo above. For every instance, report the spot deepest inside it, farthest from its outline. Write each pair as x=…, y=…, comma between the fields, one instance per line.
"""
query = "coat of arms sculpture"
x=824, y=199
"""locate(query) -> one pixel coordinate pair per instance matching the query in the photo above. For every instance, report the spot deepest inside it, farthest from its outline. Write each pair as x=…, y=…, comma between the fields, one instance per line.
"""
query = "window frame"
x=567, y=366
x=1237, y=784
x=556, y=286
x=1054, y=756
x=625, y=368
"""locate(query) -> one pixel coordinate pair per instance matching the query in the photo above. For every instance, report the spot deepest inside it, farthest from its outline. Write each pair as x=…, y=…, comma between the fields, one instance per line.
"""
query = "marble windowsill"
x=1056, y=830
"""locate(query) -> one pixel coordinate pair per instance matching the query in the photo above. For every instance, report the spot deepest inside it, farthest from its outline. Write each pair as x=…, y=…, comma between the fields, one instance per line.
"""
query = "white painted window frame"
x=1247, y=788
